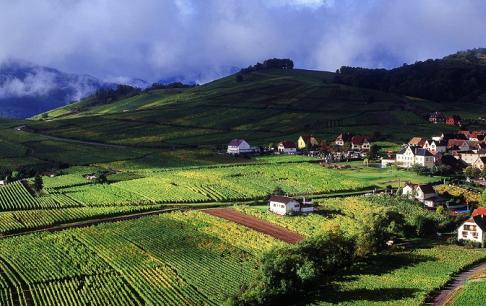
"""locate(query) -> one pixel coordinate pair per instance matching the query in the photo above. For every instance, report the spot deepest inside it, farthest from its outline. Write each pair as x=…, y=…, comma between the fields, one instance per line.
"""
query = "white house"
x=238, y=146
x=360, y=142
x=2, y=182
x=474, y=228
x=287, y=147
x=283, y=205
x=422, y=193
x=436, y=147
x=409, y=156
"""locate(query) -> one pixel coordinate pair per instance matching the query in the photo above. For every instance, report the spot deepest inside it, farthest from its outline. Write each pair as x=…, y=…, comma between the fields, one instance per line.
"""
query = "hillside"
x=266, y=106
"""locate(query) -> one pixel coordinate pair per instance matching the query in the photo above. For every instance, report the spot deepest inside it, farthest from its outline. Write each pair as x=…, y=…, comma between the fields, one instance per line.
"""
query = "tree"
x=239, y=77
x=38, y=183
x=278, y=191
x=101, y=178
x=373, y=153
x=472, y=172
x=482, y=200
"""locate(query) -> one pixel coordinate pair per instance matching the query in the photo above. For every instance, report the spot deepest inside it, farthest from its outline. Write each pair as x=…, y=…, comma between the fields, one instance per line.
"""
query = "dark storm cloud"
x=204, y=39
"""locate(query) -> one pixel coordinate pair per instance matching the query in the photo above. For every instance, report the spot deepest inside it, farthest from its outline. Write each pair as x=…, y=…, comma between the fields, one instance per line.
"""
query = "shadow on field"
x=362, y=288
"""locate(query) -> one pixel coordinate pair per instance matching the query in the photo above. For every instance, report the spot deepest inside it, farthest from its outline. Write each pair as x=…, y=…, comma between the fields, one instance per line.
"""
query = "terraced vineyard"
x=15, y=197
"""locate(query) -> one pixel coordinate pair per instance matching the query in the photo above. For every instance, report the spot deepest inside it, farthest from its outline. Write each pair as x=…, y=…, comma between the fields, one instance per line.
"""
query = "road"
x=92, y=143
x=444, y=296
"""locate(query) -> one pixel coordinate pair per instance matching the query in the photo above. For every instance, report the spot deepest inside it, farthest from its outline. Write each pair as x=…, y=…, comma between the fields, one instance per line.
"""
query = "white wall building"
x=238, y=146
x=474, y=229
x=409, y=156
x=283, y=205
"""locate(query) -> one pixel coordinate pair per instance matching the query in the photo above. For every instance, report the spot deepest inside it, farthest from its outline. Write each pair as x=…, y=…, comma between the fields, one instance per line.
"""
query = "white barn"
x=474, y=229
x=283, y=205
x=238, y=146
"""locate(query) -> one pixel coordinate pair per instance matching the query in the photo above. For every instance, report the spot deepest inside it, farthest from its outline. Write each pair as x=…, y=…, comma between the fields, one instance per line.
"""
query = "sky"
x=200, y=40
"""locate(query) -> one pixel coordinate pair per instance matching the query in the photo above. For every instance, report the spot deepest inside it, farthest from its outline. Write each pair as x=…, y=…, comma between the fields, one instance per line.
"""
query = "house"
x=307, y=142
x=409, y=156
x=437, y=117
x=360, y=142
x=91, y=177
x=469, y=157
x=459, y=145
x=480, y=163
x=423, y=193
x=3, y=182
x=437, y=147
x=283, y=205
x=238, y=146
x=474, y=228
x=287, y=147
x=453, y=120
x=417, y=141
x=343, y=138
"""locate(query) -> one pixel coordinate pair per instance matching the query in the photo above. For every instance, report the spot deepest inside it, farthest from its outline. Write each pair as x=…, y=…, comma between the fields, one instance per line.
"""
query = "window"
x=475, y=234
x=470, y=227
x=464, y=234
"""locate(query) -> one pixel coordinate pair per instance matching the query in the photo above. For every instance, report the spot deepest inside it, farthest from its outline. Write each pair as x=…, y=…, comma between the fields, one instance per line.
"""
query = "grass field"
x=472, y=293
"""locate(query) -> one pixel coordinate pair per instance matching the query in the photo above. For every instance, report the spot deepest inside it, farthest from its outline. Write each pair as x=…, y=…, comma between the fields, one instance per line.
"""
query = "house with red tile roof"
x=287, y=147
x=474, y=228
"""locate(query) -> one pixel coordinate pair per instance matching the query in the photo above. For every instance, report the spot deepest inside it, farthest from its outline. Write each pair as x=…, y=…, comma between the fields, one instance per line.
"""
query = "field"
x=472, y=293
x=221, y=183
x=194, y=258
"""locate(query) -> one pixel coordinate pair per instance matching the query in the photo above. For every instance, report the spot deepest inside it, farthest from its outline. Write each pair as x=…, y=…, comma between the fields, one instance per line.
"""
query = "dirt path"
x=444, y=296
x=256, y=224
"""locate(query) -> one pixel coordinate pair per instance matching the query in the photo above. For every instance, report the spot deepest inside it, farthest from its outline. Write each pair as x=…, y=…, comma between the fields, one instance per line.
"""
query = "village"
x=460, y=154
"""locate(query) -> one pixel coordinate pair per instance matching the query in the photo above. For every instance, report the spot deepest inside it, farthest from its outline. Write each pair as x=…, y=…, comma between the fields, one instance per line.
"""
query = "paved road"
x=444, y=296
x=92, y=143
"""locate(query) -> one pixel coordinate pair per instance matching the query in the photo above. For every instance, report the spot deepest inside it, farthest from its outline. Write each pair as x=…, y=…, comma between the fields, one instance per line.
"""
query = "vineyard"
x=472, y=293
x=218, y=183
x=175, y=258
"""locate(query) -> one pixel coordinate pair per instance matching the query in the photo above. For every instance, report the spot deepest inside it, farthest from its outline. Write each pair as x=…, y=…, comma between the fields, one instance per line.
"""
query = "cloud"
x=157, y=39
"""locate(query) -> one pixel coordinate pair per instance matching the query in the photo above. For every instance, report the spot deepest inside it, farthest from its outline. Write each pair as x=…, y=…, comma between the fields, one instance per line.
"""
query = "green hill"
x=266, y=106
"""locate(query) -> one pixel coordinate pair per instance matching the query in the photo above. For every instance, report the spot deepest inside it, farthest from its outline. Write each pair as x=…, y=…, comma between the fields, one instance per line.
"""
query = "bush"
x=287, y=273
x=426, y=227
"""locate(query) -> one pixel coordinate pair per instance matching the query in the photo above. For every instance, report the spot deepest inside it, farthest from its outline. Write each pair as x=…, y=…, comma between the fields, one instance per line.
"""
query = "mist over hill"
x=27, y=89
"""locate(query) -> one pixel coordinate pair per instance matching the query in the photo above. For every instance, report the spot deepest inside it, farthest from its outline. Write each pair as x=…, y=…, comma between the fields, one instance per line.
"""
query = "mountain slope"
x=266, y=106
x=27, y=89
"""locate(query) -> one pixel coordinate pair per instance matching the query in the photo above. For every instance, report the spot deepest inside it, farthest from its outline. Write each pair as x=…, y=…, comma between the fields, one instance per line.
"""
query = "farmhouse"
x=287, y=147
x=283, y=205
x=453, y=120
x=437, y=147
x=474, y=228
x=359, y=142
x=307, y=142
x=238, y=146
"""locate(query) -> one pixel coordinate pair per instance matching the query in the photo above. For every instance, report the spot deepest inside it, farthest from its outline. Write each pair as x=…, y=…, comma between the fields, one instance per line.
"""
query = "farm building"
x=238, y=146
x=307, y=142
x=283, y=205
x=453, y=120
x=474, y=228
x=287, y=147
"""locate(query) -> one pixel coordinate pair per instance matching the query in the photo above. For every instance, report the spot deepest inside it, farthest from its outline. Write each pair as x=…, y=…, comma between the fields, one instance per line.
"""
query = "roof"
x=455, y=143
x=417, y=141
x=281, y=199
x=427, y=188
x=480, y=220
x=288, y=144
x=346, y=137
x=307, y=138
x=454, y=118
x=459, y=136
x=236, y=142
x=479, y=211
x=359, y=139
x=482, y=159
x=422, y=152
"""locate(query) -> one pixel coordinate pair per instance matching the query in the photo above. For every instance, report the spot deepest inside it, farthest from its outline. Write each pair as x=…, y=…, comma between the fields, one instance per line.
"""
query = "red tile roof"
x=288, y=144
x=359, y=139
x=479, y=211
